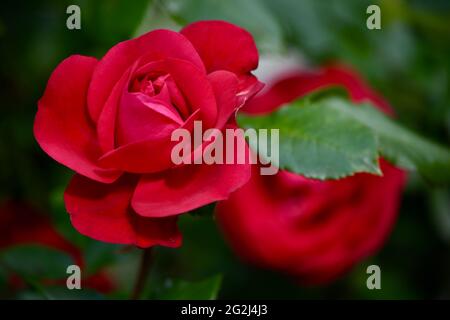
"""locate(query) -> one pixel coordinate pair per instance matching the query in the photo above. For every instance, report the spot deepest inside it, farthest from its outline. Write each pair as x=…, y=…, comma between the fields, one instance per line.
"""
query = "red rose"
x=314, y=230
x=21, y=224
x=111, y=121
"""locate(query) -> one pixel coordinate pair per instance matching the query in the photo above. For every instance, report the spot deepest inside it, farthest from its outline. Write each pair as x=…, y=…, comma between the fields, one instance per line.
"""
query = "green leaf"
x=60, y=293
x=398, y=144
x=332, y=138
x=318, y=143
x=36, y=262
x=206, y=289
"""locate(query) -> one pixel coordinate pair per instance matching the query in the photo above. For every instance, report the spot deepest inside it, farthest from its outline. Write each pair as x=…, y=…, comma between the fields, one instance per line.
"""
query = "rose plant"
x=110, y=120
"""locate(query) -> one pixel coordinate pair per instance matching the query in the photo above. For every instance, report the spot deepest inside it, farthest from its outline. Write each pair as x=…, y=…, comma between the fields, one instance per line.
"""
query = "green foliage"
x=99, y=255
x=318, y=143
x=332, y=138
x=206, y=289
x=36, y=262
x=398, y=144
x=407, y=60
x=59, y=293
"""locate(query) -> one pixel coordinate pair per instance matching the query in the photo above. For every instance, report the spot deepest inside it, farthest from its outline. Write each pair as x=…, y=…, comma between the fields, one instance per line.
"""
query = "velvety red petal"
x=142, y=117
x=225, y=86
x=155, y=45
x=103, y=212
x=106, y=123
x=62, y=127
x=223, y=46
x=292, y=86
x=192, y=185
x=146, y=156
x=248, y=87
x=195, y=87
x=311, y=229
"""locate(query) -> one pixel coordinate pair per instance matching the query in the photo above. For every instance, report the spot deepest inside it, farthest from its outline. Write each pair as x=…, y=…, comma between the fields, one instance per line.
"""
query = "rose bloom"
x=314, y=230
x=22, y=224
x=111, y=120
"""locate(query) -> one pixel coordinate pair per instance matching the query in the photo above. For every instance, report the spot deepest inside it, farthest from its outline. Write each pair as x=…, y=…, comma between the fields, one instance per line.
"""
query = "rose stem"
x=144, y=269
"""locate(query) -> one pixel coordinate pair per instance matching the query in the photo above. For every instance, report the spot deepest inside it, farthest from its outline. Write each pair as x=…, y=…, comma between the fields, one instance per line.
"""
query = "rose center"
x=149, y=85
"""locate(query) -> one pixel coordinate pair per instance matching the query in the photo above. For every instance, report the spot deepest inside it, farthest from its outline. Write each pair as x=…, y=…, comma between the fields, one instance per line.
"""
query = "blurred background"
x=407, y=61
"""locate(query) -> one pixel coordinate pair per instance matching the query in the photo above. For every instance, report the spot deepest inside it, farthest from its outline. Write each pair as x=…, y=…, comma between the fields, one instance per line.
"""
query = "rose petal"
x=195, y=87
x=295, y=85
x=248, y=87
x=146, y=156
x=284, y=90
x=225, y=86
x=321, y=228
x=155, y=45
x=223, y=46
x=62, y=127
x=192, y=185
x=106, y=124
x=103, y=212
x=142, y=117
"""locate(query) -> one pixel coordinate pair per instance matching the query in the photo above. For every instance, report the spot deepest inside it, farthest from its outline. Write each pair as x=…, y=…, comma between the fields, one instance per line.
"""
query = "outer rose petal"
x=154, y=45
x=223, y=46
x=249, y=86
x=103, y=212
x=362, y=236
x=291, y=87
x=195, y=87
x=187, y=188
x=225, y=86
x=275, y=231
x=191, y=185
x=62, y=127
x=106, y=122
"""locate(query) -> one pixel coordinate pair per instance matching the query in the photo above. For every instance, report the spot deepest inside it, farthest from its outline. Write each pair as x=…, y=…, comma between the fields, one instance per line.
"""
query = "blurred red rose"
x=111, y=121
x=21, y=224
x=313, y=230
